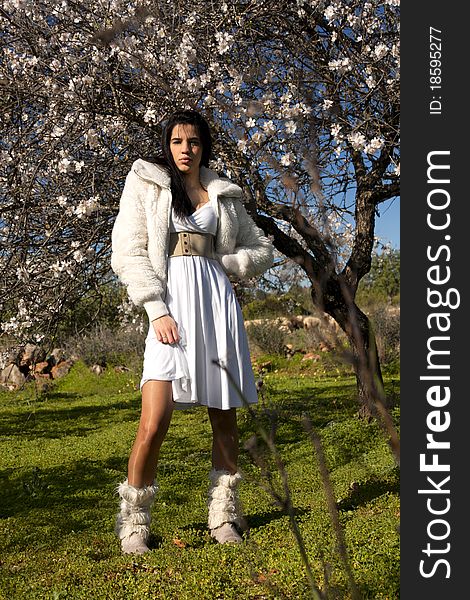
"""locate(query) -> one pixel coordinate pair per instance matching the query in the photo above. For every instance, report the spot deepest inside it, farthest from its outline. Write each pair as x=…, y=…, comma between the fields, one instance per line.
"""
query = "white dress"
x=201, y=300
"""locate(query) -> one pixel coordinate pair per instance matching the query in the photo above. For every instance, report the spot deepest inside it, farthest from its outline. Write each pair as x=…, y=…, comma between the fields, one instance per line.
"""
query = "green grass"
x=64, y=452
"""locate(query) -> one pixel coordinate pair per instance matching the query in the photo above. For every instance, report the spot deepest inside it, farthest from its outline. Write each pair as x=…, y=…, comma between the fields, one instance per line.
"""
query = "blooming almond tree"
x=303, y=98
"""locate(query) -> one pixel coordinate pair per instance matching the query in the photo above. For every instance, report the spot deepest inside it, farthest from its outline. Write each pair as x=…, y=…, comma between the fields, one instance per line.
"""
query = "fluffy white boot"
x=133, y=520
x=226, y=520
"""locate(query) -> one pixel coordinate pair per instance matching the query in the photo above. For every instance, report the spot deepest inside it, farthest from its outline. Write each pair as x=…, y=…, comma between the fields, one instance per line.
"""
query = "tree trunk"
x=361, y=338
x=369, y=379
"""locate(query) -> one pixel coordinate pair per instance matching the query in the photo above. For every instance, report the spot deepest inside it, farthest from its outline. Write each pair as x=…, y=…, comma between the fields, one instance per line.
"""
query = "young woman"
x=180, y=230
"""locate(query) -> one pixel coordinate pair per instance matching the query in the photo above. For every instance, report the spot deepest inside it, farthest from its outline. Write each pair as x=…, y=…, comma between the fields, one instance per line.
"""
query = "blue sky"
x=387, y=226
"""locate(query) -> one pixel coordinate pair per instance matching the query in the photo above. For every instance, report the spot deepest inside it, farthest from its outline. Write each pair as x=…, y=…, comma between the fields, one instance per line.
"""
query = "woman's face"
x=186, y=148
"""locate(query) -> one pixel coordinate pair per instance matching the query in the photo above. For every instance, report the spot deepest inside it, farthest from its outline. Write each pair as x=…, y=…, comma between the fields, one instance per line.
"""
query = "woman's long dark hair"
x=181, y=202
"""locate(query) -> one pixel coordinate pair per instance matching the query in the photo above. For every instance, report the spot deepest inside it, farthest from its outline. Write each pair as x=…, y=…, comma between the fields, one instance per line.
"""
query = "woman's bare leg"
x=157, y=409
x=224, y=439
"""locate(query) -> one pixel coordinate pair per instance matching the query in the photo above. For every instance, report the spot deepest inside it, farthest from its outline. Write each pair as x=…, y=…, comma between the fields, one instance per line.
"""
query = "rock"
x=10, y=356
x=42, y=376
x=97, y=369
x=41, y=367
x=12, y=376
x=310, y=356
x=289, y=350
x=58, y=355
x=61, y=369
x=32, y=354
x=332, y=324
x=266, y=366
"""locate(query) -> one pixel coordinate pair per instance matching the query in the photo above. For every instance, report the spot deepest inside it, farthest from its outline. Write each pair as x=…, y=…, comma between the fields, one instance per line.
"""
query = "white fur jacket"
x=140, y=234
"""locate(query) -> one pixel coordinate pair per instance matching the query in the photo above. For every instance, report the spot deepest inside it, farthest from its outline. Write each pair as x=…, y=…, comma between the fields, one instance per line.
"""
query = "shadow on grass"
x=57, y=395
x=282, y=412
x=79, y=486
x=39, y=421
x=262, y=519
x=254, y=520
x=369, y=490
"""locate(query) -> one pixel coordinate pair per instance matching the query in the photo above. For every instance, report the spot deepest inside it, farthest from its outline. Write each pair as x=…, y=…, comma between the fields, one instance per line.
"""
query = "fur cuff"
x=224, y=505
x=134, y=516
x=138, y=497
x=224, y=479
x=239, y=263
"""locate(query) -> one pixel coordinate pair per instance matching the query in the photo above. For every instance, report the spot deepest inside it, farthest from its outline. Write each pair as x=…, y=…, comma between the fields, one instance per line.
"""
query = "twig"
x=330, y=498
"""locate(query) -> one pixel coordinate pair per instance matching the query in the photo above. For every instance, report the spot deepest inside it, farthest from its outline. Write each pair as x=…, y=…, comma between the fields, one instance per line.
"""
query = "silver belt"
x=189, y=243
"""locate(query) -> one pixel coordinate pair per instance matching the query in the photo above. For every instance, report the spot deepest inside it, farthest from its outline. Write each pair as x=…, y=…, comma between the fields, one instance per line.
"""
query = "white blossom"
x=242, y=145
x=380, y=51
x=336, y=131
x=258, y=137
x=332, y=12
x=223, y=41
x=291, y=127
x=287, y=159
x=357, y=140
x=78, y=256
x=269, y=128
x=20, y=322
x=374, y=145
x=150, y=115
x=57, y=132
x=86, y=207
x=341, y=65
x=90, y=108
x=64, y=165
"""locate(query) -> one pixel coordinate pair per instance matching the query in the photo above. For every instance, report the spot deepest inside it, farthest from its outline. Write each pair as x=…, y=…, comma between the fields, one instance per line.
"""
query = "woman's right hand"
x=166, y=330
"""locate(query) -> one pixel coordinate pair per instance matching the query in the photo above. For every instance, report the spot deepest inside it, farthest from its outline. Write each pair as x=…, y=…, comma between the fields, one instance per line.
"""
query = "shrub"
x=105, y=345
x=386, y=324
x=268, y=338
x=313, y=339
x=382, y=283
x=274, y=305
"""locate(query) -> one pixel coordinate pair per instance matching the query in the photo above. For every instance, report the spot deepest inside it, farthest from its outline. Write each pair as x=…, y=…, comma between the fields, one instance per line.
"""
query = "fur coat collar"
x=215, y=185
